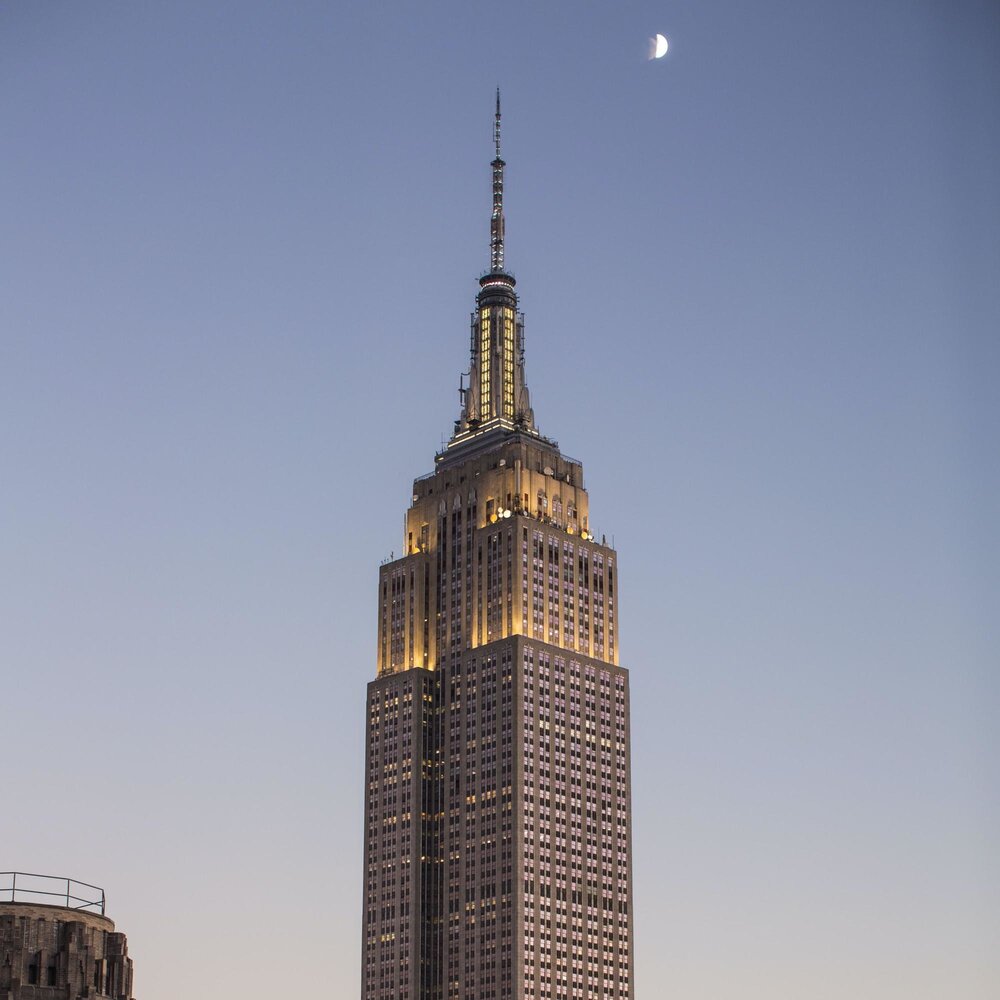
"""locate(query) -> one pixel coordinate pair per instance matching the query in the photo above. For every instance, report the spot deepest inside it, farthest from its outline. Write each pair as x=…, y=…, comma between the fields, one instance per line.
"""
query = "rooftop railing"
x=27, y=887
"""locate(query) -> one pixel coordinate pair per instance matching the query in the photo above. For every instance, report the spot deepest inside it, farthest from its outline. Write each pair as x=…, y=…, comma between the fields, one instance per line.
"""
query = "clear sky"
x=238, y=251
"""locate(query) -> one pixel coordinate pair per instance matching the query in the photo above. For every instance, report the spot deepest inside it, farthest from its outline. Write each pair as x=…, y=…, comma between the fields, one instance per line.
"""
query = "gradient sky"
x=761, y=277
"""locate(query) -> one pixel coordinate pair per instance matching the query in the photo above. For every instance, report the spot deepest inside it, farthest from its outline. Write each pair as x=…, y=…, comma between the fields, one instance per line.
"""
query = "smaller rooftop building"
x=57, y=942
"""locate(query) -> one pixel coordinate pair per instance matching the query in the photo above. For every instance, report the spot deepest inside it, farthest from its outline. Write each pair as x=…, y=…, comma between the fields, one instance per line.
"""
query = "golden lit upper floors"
x=497, y=545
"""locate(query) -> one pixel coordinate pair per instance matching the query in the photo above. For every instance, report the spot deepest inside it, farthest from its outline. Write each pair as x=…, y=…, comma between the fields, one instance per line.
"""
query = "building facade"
x=59, y=952
x=497, y=812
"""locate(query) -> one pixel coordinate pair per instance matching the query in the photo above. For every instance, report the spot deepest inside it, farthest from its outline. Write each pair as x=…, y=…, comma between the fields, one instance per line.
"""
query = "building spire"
x=496, y=126
x=496, y=220
x=496, y=395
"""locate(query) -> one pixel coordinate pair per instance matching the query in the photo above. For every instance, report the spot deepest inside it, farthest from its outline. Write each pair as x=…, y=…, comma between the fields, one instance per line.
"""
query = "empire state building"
x=497, y=804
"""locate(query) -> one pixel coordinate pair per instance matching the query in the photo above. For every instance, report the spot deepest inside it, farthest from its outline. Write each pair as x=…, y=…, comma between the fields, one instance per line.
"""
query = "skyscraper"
x=497, y=814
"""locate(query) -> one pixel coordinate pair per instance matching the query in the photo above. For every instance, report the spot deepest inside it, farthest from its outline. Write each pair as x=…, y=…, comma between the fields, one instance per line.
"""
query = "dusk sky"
x=761, y=279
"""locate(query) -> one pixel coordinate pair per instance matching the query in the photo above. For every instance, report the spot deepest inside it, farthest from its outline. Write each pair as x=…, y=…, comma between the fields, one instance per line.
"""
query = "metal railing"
x=34, y=888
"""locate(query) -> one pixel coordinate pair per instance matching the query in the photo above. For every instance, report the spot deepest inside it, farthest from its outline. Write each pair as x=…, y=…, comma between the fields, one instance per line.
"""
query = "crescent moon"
x=661, y=47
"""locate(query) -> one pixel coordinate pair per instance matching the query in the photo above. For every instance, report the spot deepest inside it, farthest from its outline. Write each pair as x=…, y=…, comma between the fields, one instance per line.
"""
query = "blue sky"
x=760, y=277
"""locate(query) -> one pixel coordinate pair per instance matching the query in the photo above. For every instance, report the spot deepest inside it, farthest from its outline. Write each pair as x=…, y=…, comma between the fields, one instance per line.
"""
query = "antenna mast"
x=496, y=221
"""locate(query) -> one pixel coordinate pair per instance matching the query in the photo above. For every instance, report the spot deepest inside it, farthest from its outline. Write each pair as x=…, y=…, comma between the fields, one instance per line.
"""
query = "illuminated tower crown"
x=497, y=395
